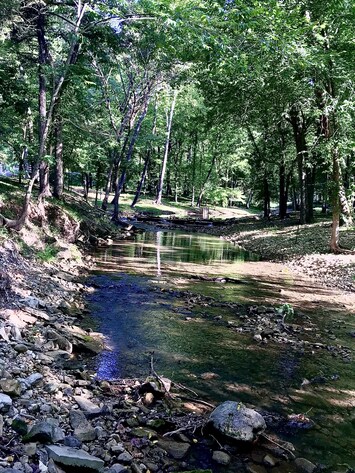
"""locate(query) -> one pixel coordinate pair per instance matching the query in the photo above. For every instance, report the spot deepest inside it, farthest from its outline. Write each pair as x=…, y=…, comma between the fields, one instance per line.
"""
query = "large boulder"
x=238, y=422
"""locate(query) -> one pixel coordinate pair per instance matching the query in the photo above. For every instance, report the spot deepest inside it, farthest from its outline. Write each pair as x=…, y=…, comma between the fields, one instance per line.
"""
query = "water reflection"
x=162, y=253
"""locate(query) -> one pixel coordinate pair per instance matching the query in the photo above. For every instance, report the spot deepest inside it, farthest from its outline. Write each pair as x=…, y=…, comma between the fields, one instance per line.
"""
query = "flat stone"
x=71, y=457
x=256, y=469
x=177, y=450
x=5, y=402
x=59, y=355
x=86, y=405
x=222, y=458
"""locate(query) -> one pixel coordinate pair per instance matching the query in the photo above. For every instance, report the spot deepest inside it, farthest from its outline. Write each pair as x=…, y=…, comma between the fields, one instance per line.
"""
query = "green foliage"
x=287, y=312
x=49, y=253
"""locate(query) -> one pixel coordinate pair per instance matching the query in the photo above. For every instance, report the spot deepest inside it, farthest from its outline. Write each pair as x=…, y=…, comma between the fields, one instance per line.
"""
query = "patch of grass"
x=49, y=253
x=25, y=250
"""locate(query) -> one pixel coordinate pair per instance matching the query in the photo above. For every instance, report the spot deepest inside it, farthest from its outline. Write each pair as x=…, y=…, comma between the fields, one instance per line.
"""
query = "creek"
x=148, y=299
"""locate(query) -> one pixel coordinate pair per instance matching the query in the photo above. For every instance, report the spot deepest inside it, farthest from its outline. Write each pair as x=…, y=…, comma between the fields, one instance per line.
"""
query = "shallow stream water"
x=141, y=306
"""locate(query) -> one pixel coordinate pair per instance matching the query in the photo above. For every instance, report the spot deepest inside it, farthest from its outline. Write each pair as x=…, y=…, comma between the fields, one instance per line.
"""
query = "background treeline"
x=214, y=102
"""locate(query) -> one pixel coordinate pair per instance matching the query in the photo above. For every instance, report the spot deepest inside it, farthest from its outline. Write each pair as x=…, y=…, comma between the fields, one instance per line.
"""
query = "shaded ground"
x=303, y=249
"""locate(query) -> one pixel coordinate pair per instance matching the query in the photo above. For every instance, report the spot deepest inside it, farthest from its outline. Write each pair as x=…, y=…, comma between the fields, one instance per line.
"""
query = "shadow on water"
x=139, y=309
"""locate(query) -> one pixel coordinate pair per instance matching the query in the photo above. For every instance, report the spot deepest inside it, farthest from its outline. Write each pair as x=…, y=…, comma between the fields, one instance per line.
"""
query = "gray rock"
x=86, y=405
x=304, y=466
x=83, y=430
x=30, y=449
x=5, y=402
x=58, y=339
x=125, y=457
x=20, y=426
x=46, y=431
x=11, y=387
x=269, y=460
x=34, y=379
x=117, y=468
x=11, y=470
x=238, y=422
x=16, y=334
x=1, y=425
x=51, y=387
x=20, y=348
x=71, y=441
x=177, y=450
x=72, y=457
x=222, y=458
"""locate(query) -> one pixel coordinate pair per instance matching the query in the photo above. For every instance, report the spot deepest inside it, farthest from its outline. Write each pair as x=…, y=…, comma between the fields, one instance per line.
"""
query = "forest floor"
x=303, y=249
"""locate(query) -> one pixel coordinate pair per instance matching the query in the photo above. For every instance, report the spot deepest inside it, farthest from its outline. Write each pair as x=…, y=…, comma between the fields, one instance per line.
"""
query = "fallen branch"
x=197, y=401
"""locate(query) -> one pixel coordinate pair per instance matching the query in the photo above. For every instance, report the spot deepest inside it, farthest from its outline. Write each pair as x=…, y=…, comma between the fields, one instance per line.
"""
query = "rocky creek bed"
x=56, y=416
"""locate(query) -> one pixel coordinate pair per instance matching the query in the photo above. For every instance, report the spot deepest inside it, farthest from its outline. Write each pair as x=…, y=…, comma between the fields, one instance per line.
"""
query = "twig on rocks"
x=278, y=445
x=184, y=388
x=219, y=443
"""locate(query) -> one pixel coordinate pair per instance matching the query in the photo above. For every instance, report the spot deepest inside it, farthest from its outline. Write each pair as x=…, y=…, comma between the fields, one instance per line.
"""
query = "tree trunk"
x=108, y=182
x=334, y=240
x=44, y=189
x=309, y=198
x=202, y=191
x=299, y=130
x=166, y=150
x=59, y=168
x=142, y=179
x=85, y=179
x=266, y=192
x=147, y=157
x=282, y=194
x=129, y=155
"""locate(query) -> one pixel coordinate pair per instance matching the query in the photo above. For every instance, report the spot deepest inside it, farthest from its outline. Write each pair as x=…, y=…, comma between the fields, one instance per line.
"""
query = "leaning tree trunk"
x=147, y=157
x=142, y=179
x=166, y=150
x=129, y=155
